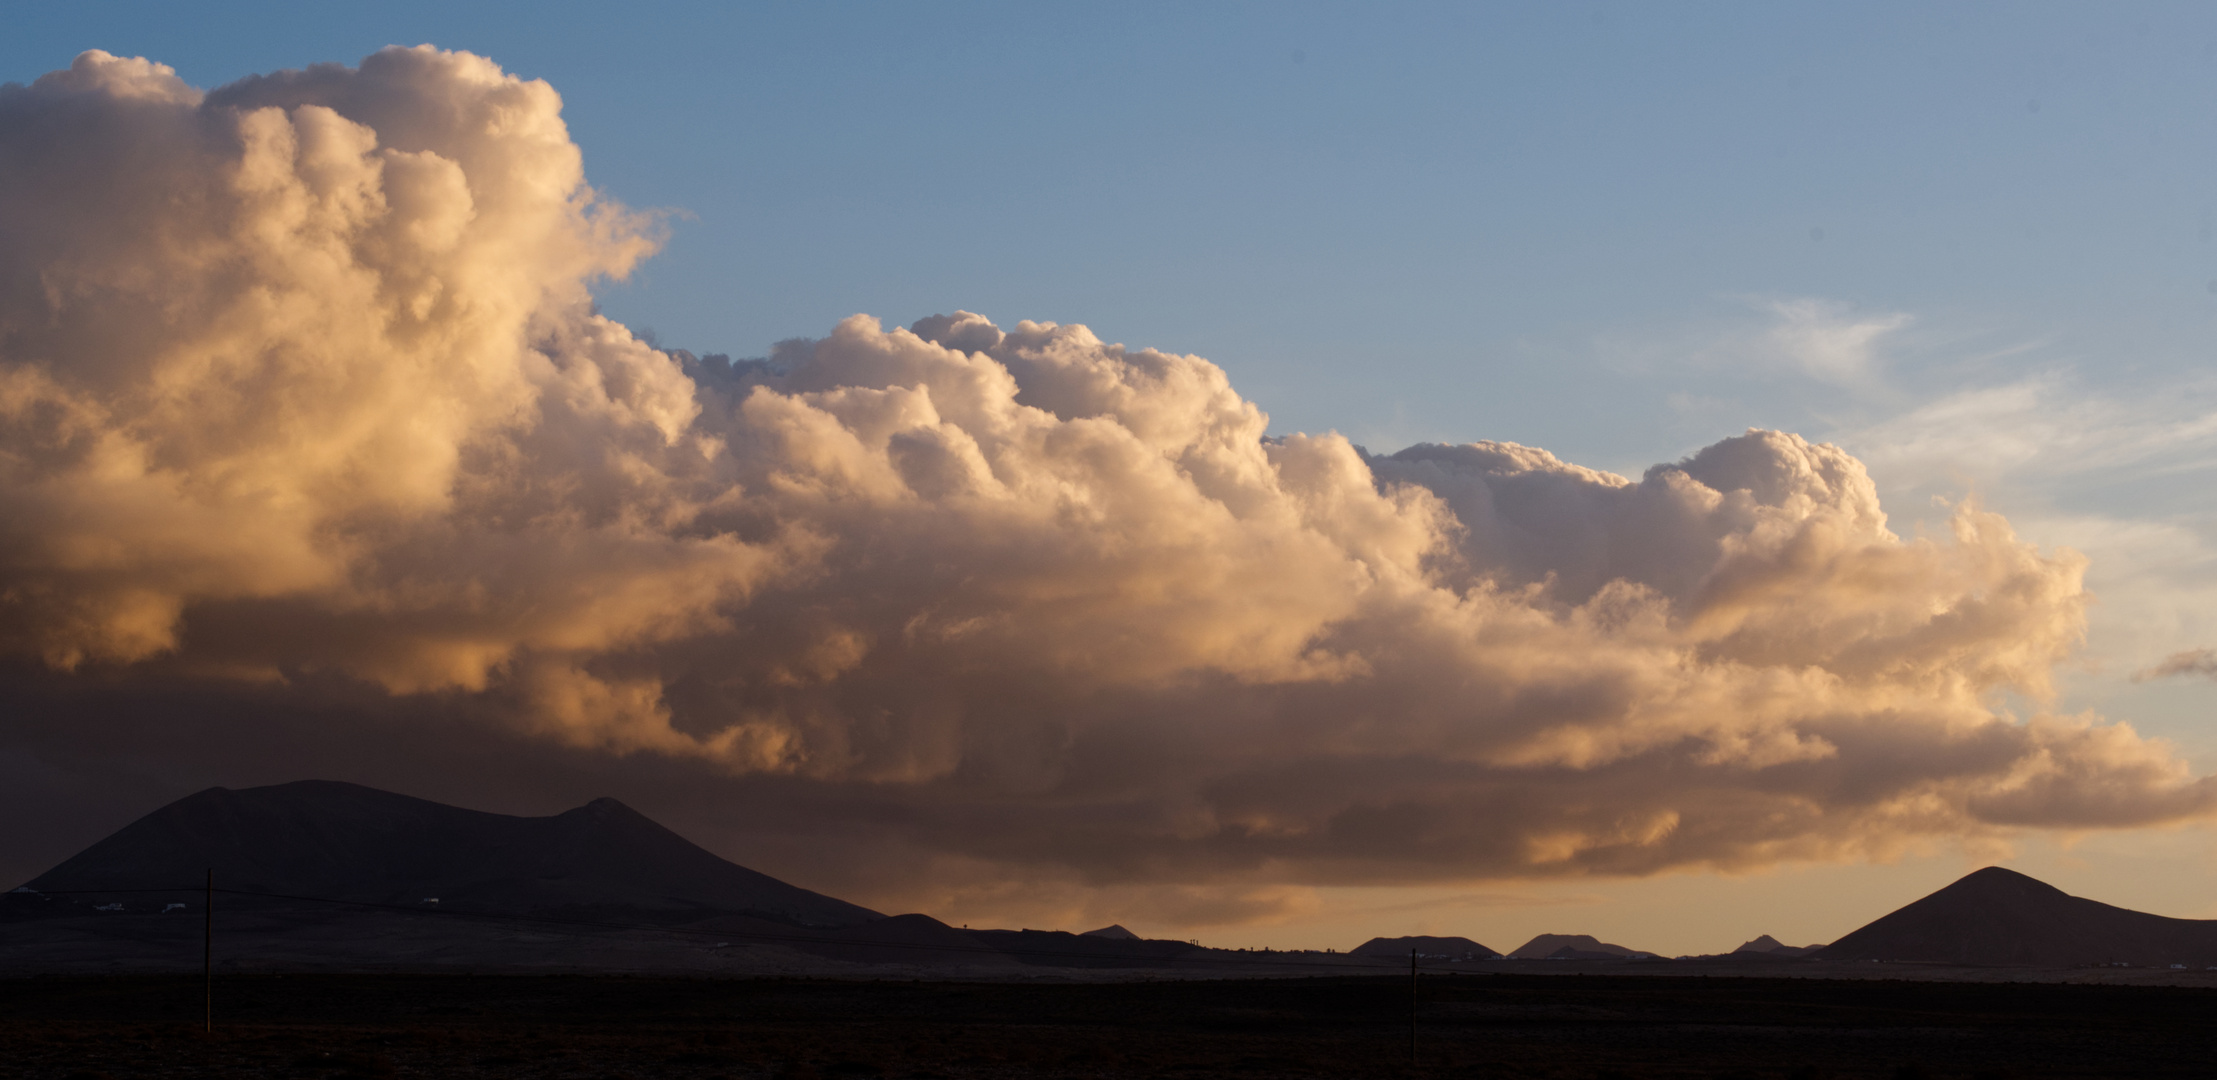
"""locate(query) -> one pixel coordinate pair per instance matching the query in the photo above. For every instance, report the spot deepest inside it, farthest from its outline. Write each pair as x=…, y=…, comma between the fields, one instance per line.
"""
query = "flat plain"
x=1480, y=1025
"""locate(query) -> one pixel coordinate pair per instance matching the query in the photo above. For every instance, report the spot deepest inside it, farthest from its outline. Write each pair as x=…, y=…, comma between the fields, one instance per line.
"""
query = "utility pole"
x=1412, y=1007
x=208, y=954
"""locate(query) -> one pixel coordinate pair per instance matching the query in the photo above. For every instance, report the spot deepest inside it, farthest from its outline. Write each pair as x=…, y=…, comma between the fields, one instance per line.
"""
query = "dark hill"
x=1551, y=946
x=321, y=838
x=1433, y=948
x=1766, y=945
x=2002, y=917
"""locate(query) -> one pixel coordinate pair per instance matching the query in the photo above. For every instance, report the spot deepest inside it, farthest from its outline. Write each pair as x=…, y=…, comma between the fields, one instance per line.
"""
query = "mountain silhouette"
x=331, y=840
x=1430, y=948
x=1581, y=946
x=1767, y=945
x=2001, y=917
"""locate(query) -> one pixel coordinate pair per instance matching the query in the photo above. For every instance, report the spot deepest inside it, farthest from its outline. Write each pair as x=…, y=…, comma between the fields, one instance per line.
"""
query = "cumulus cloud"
x=300, y=382
x=2105, y=472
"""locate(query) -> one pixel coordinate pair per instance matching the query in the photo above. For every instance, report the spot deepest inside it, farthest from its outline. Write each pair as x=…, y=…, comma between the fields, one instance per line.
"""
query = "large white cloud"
x=301, y=377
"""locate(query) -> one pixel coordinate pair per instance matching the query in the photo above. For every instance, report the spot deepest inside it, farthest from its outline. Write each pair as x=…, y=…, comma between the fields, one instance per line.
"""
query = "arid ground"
x=1570, y=1026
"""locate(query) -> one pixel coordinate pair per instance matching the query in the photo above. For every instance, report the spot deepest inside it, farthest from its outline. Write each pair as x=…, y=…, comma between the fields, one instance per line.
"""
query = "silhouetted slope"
x=1458, y=948
x=1997, y=916
x=328, y=839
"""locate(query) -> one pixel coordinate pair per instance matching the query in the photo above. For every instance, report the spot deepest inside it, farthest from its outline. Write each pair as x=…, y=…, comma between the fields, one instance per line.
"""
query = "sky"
x=357, y=484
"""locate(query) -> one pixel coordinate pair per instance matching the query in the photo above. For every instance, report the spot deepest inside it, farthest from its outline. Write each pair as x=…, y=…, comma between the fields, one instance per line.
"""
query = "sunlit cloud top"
x=301, y=376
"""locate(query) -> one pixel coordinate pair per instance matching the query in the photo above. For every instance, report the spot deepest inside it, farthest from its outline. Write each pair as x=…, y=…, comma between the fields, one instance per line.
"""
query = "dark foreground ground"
x=313, y=1027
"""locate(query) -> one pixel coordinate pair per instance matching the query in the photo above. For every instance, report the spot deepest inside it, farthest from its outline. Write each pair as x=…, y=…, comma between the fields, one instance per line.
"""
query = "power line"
x=208, y=954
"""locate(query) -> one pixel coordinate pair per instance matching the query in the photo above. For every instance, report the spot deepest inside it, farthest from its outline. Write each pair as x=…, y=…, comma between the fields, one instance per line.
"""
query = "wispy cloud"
x=2196, y=662
x=2049, y=423
x=1829, y=341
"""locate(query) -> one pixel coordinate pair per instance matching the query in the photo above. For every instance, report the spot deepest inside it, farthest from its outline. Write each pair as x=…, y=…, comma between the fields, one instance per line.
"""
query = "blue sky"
x=1976, y=244
x=1344, y=204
